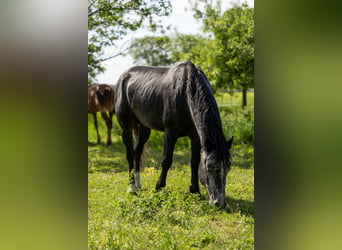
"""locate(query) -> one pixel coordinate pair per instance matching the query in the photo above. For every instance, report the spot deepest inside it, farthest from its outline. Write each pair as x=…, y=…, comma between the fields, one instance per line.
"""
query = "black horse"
x=179, y=101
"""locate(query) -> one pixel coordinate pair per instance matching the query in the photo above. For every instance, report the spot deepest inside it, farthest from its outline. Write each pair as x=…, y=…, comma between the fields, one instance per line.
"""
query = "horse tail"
x=122, y=106
x=112, y=98
x=120, y=97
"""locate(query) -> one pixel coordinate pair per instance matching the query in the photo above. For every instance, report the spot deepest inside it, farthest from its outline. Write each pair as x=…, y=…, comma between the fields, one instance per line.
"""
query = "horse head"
x=213, y=172
x=102, y=90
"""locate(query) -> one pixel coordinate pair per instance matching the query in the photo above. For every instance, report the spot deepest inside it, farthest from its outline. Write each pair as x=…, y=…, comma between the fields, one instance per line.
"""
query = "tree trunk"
x=244, y=97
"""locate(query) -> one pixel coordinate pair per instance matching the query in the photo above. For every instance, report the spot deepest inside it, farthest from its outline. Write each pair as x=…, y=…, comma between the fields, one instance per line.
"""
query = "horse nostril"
x=216, y=203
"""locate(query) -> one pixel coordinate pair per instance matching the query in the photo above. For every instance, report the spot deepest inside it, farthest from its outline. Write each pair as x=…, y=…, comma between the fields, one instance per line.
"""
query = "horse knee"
x=166, y=163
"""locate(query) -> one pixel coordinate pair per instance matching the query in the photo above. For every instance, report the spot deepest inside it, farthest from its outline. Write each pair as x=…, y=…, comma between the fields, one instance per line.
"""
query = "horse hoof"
x=159, y=187
x=194, y=190
x=202, y=197
x=132, y=189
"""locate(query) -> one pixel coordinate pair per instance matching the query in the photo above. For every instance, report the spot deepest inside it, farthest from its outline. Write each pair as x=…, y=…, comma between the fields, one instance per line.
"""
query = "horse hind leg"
x=143, y=133
x=109, y=124
x=97, y=129
x=127, y=139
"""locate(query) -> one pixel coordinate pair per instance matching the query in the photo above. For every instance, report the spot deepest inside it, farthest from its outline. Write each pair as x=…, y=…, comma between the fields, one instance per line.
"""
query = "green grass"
x=172, y=218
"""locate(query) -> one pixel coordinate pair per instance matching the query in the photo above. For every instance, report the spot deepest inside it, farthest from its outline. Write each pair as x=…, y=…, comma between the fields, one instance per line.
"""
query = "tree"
x=225, y=54
x=151, y=50
x=230, y=55
x=110, y=20
x=162, y=50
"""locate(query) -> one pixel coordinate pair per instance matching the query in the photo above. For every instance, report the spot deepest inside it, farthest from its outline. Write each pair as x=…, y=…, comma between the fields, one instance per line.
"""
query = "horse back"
x=156, y=97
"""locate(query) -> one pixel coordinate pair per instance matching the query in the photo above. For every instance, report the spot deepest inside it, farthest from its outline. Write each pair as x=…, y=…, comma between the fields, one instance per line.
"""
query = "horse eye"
x=211, y=168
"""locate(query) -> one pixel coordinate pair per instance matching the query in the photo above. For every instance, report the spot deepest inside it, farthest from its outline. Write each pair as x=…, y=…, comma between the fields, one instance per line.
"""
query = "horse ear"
x=229, y=143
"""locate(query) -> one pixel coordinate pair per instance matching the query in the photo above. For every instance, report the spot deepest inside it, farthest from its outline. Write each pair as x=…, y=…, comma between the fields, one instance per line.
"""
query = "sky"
x=181, y=19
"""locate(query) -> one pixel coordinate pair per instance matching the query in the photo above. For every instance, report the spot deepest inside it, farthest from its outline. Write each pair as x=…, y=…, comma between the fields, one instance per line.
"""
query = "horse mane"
x=205, y=113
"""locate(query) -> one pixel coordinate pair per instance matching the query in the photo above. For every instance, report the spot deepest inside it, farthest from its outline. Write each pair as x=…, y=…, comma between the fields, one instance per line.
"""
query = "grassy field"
x=172, y=218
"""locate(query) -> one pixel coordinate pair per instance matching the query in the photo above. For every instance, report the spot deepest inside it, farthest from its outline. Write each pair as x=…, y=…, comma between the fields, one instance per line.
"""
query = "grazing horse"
x=101, y=98
x=179, y=101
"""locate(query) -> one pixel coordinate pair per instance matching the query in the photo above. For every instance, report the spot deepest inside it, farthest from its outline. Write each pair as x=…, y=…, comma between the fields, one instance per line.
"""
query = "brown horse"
x=101, y=99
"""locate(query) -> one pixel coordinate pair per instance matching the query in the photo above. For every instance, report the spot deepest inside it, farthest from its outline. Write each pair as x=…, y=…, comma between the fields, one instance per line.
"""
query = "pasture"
x=172, y=218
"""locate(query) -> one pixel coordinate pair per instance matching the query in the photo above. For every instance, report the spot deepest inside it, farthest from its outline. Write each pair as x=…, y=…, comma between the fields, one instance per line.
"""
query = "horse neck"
x=204, y=111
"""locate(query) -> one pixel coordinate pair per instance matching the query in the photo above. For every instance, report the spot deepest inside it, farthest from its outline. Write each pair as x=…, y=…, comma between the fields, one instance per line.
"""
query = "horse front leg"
x=195, y=160
x=169, y=145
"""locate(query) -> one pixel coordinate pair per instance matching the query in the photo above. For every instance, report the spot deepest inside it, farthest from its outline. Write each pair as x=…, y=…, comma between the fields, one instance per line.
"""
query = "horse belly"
x=155, y=124
x=150, y=116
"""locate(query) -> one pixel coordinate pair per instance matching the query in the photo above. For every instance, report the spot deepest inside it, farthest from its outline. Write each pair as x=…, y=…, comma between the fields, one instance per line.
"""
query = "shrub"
x=240, y=124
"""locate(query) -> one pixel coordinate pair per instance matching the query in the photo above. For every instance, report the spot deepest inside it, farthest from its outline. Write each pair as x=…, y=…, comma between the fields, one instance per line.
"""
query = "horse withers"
x=179, y=101
x=101, y=99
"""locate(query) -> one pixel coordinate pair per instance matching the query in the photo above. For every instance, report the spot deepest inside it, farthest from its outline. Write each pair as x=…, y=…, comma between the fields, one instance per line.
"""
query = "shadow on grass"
x=153, y=158
x=243, y=163
x=103, y=158
x=243, y=156
x=245, y=207
x=91, y=144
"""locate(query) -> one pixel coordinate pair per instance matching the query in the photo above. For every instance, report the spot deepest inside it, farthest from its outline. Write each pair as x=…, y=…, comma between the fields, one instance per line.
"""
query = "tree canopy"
x=162, y=50
x=225, y=49
x=229, y=55
x=110, y=20
x=225, y=52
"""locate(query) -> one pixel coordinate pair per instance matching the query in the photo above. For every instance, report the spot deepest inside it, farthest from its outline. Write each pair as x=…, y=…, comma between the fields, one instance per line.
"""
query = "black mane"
x=206, y=113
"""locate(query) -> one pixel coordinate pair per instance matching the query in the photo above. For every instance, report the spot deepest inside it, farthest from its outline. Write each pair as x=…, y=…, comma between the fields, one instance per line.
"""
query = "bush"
x=240, y=124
